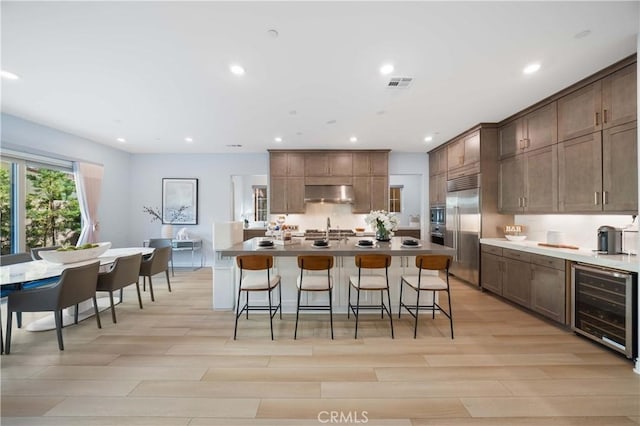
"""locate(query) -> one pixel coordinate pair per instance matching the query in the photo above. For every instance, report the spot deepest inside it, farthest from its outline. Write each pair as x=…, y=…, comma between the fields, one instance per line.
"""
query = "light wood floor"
x=175, y=363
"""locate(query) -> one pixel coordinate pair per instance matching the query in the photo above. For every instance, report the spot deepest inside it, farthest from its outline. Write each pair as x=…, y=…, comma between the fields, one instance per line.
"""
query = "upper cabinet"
x=576, y=153
x=290, y=171
x=603, y=104
x=535, y=130
x=324, y=164
x=286, y=164
x=463, y=156
x=438, y=161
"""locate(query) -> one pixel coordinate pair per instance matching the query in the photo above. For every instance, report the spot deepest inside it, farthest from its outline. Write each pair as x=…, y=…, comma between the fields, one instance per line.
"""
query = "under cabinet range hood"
x=328, y=194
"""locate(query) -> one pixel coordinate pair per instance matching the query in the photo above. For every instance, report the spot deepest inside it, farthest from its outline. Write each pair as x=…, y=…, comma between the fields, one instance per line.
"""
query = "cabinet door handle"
x=604, y=116
x=597, y=118
x=524, y=201
x=520, y=144
x=605, y=197
x=526, y=142
x=596, y=198
x=519, y=201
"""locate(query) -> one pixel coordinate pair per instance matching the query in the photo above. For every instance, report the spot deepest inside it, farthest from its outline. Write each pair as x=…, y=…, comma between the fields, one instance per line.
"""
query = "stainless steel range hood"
x=328, y=194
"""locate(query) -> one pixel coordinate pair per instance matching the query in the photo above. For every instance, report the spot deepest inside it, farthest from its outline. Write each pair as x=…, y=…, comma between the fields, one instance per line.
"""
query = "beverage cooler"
x=604, y=307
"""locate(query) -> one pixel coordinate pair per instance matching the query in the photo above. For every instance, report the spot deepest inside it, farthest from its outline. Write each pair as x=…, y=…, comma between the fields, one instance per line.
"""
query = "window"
x=259, y=203
x=38, y=203
x=395, y=194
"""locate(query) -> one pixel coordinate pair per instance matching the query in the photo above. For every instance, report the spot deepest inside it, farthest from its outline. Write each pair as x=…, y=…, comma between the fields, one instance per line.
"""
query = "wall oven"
x=437, y=215
x=604, y=307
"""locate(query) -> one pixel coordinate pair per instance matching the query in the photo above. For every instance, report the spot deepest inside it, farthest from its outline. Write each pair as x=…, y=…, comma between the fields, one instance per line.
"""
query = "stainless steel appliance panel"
x=603, y=308
x=463, y=233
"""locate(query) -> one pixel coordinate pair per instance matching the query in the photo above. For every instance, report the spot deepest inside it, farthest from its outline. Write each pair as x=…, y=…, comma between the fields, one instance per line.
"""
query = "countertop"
x=620, y=261
x=336, y=248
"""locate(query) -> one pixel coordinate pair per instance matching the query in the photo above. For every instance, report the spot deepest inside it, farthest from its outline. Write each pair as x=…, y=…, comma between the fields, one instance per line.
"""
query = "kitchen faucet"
x=328, y=226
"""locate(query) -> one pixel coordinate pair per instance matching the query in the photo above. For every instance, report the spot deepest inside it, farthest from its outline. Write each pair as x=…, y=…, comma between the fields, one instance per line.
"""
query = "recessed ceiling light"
x=381, y=112
x=299, y=133
x=293, y=112
x=237, y=69
x=277, y=139
x=386, y=69
x=188, y=139
x=353, y=139
x=531, y=68
x=8, y=75
x=331, y=122
x=428, y=139
x=121, y=140
x=273, y=33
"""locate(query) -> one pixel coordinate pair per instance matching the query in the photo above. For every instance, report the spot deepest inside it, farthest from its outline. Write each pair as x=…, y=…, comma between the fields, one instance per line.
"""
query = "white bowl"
x=73, y=256
x=516, y=237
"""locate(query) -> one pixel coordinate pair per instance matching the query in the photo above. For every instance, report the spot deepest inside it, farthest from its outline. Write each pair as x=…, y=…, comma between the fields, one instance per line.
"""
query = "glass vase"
x=382, y=234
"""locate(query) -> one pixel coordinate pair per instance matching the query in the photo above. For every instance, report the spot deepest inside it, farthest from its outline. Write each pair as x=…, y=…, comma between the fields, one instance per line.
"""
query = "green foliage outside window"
x=5, y=212
x=53, y=212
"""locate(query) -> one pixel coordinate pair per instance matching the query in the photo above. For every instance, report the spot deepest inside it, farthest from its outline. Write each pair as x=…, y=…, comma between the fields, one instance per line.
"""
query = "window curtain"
x=89, y=185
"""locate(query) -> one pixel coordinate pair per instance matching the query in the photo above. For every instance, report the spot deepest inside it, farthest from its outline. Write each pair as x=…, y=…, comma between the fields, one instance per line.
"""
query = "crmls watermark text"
x=337, y=417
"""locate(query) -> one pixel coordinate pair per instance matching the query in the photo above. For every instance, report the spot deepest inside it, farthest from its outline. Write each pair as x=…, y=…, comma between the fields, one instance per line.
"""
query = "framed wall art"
x=180, y=201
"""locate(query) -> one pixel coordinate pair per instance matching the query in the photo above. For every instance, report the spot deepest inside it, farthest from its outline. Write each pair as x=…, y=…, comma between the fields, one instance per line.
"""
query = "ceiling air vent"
x=400, y=82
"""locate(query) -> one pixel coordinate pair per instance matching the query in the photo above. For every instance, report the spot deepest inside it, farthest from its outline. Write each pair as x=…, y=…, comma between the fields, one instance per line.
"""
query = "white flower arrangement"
x=382, y=222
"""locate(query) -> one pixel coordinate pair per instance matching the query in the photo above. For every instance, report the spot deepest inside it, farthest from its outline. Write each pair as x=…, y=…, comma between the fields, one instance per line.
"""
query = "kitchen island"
x=285, y=263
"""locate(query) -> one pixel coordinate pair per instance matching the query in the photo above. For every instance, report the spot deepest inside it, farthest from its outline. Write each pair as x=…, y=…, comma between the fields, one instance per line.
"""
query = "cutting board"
x=566, y=246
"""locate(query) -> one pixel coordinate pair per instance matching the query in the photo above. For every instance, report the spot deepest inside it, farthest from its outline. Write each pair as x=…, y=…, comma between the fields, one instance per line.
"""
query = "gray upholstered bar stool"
x=307, y=281
x=252, y=281
x=375, y=282
x=426, y=282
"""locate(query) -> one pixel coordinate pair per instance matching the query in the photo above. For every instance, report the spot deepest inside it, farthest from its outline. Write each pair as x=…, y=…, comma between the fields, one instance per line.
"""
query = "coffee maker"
x=609, y=240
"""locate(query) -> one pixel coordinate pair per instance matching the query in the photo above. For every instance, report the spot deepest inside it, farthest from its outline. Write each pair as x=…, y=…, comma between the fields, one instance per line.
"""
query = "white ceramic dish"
x=54, y=256
x=369, y=247
x=265, y=247
x=320, y=247
x=516, y=237
x=411, y=246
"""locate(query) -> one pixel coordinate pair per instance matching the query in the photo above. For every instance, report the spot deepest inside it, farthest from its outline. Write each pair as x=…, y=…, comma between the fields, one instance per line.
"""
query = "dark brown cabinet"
x=529, y=182
x=370, y=193
x=438, y=162
x=463, y=156
x=599, y=171
x=438, y=189
x=323, y=164
x=548, y=289
x=286, y=164
x=605, y=103
x=535, y=130
x=516, y=282
x=413, y=233
x=531, y=280
x=286, y=195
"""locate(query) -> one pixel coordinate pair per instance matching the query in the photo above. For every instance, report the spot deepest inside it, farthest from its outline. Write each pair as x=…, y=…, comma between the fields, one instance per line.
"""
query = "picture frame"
x=180, y=201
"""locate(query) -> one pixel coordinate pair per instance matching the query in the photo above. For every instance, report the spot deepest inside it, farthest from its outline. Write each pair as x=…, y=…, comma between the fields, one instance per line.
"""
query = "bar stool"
x=308, y=282
x=424, y=282
x=371, y=283
x=250, y=282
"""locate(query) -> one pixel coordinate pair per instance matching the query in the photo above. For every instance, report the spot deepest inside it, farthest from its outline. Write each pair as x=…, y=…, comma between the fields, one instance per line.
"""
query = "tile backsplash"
x=580, y=230
x=316, y=215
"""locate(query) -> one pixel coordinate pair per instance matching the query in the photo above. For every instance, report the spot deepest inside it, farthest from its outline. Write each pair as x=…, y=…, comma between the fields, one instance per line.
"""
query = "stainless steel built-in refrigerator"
x=463, y=227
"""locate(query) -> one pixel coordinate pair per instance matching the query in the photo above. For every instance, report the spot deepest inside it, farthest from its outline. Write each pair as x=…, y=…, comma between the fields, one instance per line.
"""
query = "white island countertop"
x=619, y=261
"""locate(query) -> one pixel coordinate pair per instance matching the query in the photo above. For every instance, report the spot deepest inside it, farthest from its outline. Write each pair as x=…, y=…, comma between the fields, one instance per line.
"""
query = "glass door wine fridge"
x=603, y=306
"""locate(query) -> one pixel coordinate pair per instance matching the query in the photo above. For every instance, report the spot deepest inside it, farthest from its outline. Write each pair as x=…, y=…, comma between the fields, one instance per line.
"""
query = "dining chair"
x=426, y=282
x=308, y=281
x=75, y=285
x=35, y=252
x=15, y=258
x=371, y=282
x=6, y=260
x=156, y=263
x=163, y=242
x=123, y=272
x=251, y=280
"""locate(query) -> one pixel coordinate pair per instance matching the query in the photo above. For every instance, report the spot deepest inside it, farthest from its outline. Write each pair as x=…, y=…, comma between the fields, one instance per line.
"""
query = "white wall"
x=213, y=172
x=411, y=196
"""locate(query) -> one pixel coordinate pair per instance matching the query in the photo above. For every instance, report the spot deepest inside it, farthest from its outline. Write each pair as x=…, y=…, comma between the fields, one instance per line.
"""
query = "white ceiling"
x=155, y=73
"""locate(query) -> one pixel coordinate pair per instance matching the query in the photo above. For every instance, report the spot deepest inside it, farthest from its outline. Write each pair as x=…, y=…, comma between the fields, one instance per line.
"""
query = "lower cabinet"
x=533, y=281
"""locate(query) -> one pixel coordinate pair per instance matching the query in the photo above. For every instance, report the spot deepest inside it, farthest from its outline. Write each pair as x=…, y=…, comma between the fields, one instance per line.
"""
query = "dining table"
x=22, y=276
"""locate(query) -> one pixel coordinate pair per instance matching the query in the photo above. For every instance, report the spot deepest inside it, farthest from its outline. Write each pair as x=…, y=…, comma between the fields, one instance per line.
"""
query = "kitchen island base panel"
x=225, y=286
